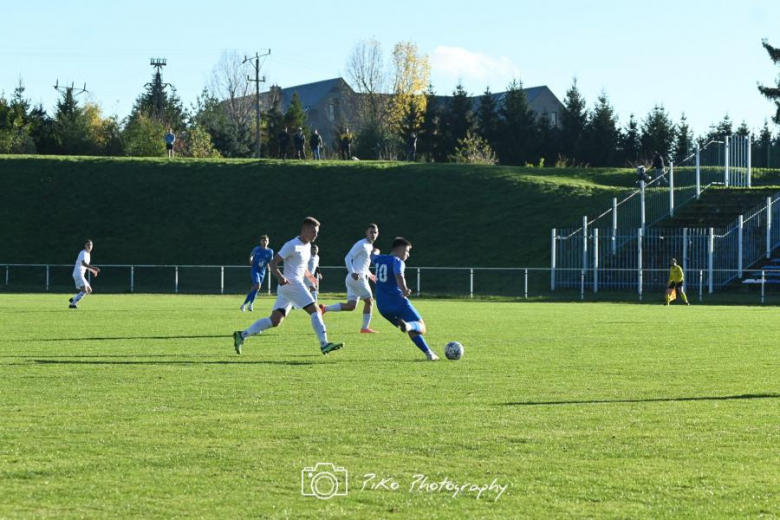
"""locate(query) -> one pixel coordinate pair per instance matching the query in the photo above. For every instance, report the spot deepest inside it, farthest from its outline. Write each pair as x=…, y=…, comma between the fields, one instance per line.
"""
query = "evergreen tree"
x=658, y=133
x=274, y=120
x=457, y=120
x=518, y=142
x=71, y=127
x=295, y=116
x=772, y=93
x=574, y=119
x=763, y=159
x=601, y=134
x=156, y=103
x=429, y=138
x=42, y=130
x=721, y=130
x=487, y=117
x=684, y=145
x=549, y=141
x=631, y=144
x=743, y=130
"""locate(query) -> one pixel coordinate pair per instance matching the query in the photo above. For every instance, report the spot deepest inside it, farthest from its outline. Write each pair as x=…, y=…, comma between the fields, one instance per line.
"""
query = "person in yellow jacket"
x=675, y=283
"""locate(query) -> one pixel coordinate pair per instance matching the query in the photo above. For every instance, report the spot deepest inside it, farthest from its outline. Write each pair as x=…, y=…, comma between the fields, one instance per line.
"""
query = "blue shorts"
x=258, y=276
x=401, y=309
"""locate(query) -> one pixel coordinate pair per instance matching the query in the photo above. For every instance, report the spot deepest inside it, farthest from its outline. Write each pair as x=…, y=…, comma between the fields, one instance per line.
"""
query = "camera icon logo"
x=324, y=481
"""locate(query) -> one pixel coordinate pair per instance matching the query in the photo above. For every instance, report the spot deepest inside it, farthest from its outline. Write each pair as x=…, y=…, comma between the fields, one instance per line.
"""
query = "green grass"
x=137, y=406
x=156, y=211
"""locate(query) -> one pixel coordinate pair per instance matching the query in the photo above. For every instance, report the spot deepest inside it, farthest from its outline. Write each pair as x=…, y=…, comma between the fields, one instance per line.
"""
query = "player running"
x=392, y=295
x=292, y=291
x=358, y=261
x=259, y=259
x=675, y=283
x=79, y=270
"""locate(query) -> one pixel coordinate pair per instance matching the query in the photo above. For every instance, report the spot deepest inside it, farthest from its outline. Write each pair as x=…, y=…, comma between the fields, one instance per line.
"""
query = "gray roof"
x=310, y=93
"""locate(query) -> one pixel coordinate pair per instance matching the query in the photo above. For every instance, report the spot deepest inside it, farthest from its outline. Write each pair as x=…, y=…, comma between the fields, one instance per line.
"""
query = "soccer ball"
x=453, y=351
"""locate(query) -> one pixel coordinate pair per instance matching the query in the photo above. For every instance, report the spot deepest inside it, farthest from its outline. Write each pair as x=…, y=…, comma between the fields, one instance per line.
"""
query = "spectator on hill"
x=642, y=175
x=170, y=138
x=660, y=169
x=346, y=145
x=411, y=147
x=284, y=142
x=300, y=143
x=316, y=143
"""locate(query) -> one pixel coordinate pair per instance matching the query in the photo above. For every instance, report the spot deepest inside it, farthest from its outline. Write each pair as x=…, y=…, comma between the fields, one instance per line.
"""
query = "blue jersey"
x=387, y=266
x=261, y=258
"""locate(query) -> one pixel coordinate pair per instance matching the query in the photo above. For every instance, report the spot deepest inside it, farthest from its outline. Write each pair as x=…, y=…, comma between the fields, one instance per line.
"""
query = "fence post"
x=584, y=242
x=525, y=285
x=471, y=283
x=642, y=204
x=769, y=227
x=701, y=284
x=47, y=278
x=595, y=260
x=685, y=249
x=176, y=281
x=671, y=188
x=553, y=260
x=418, y=281
x=710, y=260
x=132, y=278
x=763, y=287
x=698, y=171
x=639, y=236
x=726, y=162
x=582, y=283
x=750, y=161
x=740, y=234
x=270, y=279
x=614, y=225
x=222, y=280
x=6, y=274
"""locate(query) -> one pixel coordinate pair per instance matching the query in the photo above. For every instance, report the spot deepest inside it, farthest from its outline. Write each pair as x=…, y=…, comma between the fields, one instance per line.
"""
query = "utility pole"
x=255, y=60
x=69, y=94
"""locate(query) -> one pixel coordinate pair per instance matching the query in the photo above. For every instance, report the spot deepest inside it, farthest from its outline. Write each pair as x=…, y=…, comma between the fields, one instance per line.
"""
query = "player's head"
x=314, y=249
x=372, y=231
x=401, y=248
x=674, y=261
x=310, y=229
x=264, y=240
x=88, y=245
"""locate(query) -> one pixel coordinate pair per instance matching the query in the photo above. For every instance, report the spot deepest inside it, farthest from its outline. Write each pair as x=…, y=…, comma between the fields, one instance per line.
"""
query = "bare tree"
x=229, y=83
x=368, y=75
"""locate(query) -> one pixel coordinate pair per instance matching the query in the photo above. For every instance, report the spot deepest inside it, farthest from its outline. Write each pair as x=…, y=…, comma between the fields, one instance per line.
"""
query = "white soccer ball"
x=453, y=351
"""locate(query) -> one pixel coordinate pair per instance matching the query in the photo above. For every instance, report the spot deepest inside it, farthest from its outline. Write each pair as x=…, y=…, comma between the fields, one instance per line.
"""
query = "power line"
x=255, y=60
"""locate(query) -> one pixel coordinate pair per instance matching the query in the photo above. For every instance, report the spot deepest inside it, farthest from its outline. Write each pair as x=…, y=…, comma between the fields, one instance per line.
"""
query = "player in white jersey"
x=358, y=261
x=314, y=269
x=292, y=290
x=79, y=270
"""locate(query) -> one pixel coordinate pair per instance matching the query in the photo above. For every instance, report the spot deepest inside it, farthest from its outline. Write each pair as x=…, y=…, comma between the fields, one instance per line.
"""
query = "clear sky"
x=703, y=58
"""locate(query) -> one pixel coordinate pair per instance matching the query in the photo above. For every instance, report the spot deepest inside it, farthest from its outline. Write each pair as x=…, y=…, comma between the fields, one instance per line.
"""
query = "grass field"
x=137, y=406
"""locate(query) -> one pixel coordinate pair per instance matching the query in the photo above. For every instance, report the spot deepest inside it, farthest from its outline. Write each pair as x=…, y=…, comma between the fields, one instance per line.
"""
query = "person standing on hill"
x=316, y=144
x=660, y=169
x=170, y=138
x=346, y=145
x=411, y=147
x=284, y=142
x=300, y=144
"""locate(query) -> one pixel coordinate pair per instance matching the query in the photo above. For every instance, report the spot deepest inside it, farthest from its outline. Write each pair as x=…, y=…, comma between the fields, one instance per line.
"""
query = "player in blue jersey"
x=259, y=259
x=392, y=295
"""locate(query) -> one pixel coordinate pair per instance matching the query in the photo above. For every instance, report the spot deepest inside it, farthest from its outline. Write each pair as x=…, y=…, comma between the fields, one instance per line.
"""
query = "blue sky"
x=703, y=58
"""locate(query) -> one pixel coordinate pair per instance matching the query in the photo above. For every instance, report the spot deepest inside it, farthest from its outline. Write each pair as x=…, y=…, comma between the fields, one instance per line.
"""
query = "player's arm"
x=348, y=261
x=310, y=277
x=274, y=266
x=94, y=270
x=400, y=279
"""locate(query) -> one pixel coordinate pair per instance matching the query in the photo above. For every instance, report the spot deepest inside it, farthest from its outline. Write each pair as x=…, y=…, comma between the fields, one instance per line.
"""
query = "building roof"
x=310, y=93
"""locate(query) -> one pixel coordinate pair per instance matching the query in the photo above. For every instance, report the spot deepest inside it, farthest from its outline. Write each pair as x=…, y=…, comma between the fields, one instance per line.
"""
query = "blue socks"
x=250, y=298
x=421, y=344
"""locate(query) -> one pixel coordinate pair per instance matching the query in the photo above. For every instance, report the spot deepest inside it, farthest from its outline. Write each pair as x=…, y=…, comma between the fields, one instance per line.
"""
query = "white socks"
x=314, y=295
x=319, y=328
x=366, y=320
x=258, y=327
x=79, y=296
x=414, y=326
x=336, y=307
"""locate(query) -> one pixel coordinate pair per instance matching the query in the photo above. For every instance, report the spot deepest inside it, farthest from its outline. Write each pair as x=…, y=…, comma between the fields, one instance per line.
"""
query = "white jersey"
x=295, y=255
x=359, y=257
x=79, y=269
x=314, y=263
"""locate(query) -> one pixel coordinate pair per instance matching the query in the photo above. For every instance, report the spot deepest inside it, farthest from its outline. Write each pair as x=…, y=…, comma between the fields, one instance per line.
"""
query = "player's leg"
x=681, y=292
x=411, y=322
x=304, y=299
x=83, y=288
x=281, y=308
x=368, y=305
x=352, y=299
x=257, y=280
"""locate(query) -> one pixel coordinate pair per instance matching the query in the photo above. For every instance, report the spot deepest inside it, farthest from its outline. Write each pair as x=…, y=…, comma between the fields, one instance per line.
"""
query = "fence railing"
x=602, y=283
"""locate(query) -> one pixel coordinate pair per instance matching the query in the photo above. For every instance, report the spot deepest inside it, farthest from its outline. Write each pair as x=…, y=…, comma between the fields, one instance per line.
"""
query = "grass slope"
x=212, y=211
x=137, y=406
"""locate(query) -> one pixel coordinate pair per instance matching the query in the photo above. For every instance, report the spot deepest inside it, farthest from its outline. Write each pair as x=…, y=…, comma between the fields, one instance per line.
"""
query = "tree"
x=601, y=134
x=71, y=132
x=367, y=74
x=631, y=144
x=765, y=138
x=772, y=93
x=211, y=115
x=410, y=78
x=15, y=123
x=574, y=119
x=684, y=145
x=197, y=143
x=487, y=117
x=156, y=103
x=658, y=133
x=429, y=138
x=143, y=137
x=295, y=117
x=232, y=89
x=457, y=120
x=549, y=139
x=473, y=149
x=274, y=120
x=517, y=144
x=743, y=130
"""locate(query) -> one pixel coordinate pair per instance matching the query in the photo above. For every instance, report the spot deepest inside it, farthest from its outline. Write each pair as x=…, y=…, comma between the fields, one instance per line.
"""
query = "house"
x=332, y=103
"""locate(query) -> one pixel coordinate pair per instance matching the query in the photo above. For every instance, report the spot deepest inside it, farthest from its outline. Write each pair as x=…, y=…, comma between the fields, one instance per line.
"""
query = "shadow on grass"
x=657, y=400
x=123, y=338
x=98, y=362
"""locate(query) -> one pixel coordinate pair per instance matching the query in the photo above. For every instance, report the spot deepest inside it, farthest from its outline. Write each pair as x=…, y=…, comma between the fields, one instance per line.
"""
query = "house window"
x=554, y=118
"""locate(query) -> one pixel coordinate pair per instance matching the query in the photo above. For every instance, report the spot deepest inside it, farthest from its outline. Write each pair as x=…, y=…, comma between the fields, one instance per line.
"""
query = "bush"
x=472, y=149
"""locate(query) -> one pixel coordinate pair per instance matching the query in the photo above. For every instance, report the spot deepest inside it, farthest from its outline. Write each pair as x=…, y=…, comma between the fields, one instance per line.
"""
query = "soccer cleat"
x=330, y=347
x=368, y=331
x=238, y=340
x=431, y=356
x=72, y=306
x=323, y=310
x=70, y=300
x=243, y=308
x=403, y=326
x=252, y=307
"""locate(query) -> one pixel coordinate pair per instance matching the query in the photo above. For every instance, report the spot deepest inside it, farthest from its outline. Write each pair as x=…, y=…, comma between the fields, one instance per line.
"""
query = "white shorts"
x=290, y=295
x=80, y=281
x=357, y=289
